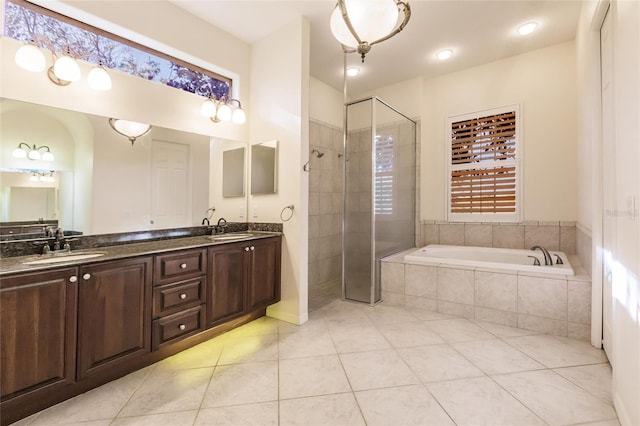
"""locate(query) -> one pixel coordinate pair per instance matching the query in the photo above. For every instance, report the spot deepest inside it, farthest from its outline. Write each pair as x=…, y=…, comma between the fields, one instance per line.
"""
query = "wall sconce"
x=223, y=110
x=26, y=151
x=64, y=70
x=132, y=130
x=42, y=177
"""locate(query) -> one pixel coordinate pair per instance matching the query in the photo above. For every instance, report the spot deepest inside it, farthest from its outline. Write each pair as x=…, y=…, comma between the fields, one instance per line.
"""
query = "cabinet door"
x=114, y=314
x=264, y=281
x=227, y=281
x=38, y=331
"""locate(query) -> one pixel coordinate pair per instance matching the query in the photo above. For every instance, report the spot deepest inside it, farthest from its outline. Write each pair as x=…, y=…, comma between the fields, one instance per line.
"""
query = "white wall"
x=405, y=96
x=280, y=111
x=326, y=103
x=543, y=82
x=625, y=22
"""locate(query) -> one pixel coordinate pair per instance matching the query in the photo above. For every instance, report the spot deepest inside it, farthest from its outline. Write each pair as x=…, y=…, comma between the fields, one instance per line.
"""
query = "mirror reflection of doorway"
x=170, y=189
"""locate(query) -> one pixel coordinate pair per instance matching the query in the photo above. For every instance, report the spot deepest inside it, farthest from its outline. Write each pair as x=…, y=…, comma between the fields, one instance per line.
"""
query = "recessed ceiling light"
x=527, y=28
x=353, y=71
x=444, y=54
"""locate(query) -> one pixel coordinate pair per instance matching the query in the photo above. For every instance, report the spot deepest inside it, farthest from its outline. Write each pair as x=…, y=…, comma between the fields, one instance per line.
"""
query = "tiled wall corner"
x=583, y=247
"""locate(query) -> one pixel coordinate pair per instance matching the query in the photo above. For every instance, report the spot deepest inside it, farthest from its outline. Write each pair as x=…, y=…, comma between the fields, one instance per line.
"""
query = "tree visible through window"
x=26, y=22
x=483, y=168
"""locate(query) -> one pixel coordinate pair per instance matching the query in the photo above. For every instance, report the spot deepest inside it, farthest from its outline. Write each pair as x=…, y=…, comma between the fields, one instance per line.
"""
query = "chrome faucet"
x=220, y=227
x=547, y=256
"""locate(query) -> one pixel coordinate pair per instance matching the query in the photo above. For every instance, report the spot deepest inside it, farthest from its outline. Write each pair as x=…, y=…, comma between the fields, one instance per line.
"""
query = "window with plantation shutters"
x=383, y=201
x=483, y=172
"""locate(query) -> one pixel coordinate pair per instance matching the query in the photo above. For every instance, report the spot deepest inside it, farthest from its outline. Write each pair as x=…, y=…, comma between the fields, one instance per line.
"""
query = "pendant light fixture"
x=359, y=24
x=132, y=130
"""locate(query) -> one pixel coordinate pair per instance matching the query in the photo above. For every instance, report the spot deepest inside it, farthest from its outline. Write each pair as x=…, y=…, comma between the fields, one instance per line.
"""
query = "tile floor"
x=355, y=365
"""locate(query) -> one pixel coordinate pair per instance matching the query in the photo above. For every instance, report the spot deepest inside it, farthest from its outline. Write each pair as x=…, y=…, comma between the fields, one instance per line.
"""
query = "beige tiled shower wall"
x=325, y=204
x=551, y=235
x=583, y=247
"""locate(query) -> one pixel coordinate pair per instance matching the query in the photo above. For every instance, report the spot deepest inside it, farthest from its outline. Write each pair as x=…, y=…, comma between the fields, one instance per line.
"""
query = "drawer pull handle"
x=252, y=248
x=73, y=279
x=183, y=296
x=246, y=249
x=182, y=327
x=183, y=265
x=86, y=277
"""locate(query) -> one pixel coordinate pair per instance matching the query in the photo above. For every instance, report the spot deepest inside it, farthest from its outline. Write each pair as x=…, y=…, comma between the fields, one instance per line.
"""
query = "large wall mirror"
x=104, y=184
x=264, y=166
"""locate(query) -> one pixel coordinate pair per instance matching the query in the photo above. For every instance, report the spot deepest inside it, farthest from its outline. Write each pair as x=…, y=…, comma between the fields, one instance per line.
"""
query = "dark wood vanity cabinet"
x=243, y=277
x=114, y=319
x=37, y=333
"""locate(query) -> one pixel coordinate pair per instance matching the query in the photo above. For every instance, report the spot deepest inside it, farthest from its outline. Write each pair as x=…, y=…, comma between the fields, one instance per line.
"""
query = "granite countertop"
x=11, y=265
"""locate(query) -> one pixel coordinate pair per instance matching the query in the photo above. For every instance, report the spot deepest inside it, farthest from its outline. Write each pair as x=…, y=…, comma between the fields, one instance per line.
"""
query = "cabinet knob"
x=246, y=249
x=73, y=279
x=183, y=265
x=252, y=248
x=183, y=296
x=86, y=277
x=182, y=326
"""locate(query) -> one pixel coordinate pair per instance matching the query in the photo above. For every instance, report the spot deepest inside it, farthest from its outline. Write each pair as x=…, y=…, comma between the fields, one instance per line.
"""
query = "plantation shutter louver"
x=483, y=165
x=383, y=202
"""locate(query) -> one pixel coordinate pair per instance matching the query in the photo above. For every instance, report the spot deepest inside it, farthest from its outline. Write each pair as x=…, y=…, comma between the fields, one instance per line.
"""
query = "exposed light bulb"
x=66, y=68
x=208, y=108
x=527, y=28
x=19, y=153
x=99, y=79
x=444, y=54
x=48, y=156
x=224, y=112
x=239, y=116
x=30, y=58
x=353, y=71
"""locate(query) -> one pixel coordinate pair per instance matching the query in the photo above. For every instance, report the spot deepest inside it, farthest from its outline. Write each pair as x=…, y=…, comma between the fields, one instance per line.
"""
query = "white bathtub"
x=496, y=258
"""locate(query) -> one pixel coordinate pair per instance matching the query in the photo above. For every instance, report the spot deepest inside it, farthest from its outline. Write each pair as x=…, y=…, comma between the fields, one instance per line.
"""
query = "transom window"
x=30, y=23
x=484, y=166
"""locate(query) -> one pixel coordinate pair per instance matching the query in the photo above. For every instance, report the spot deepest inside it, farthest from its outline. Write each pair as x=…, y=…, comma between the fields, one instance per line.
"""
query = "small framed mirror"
x=233, y=173
x=264, y=166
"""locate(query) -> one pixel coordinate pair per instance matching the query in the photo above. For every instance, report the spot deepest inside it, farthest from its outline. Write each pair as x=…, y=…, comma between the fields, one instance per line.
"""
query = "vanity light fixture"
x=359, y=24
x=223, y=109
x=64, y=70
x=132, y=130
x=528, y=28
x=26, y=151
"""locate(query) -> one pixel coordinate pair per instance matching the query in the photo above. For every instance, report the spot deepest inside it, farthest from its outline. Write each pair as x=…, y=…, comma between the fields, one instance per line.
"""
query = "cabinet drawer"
x=170, y=298
x=180, y=265
x=177, y=326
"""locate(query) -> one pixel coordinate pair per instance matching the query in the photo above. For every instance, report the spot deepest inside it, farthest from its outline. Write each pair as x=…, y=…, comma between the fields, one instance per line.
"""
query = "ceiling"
x=478, y=31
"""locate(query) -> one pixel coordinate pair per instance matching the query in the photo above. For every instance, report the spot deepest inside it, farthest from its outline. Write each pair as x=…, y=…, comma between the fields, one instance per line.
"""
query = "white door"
x=608, y=184
x=170, y=193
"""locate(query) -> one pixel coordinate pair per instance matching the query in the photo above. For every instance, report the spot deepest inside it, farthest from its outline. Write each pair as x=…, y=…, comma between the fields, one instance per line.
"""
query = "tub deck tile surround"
x=546, y=303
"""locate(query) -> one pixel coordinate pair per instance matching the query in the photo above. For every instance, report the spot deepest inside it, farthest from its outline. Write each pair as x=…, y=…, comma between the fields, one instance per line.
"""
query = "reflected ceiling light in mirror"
x=223, y=109
x=444, y=54
x=33, y=153
x=528, y=28
x=132, y=130
x=353, y=71
x=65, y=68
x=359, y=24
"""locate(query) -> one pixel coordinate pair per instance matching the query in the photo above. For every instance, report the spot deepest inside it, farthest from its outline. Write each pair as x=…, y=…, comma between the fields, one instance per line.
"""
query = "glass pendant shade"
x=30, y=58
x=99, y=79
x=47, y=156
x=131, y=129
x=239, y=116
x=208, y=108
x=66, y=68
x=224, y=112
x=33, y=178
x=371, y=20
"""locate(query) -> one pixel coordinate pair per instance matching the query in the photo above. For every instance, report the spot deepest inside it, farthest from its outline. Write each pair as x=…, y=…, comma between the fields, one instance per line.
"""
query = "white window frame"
x=486, y=217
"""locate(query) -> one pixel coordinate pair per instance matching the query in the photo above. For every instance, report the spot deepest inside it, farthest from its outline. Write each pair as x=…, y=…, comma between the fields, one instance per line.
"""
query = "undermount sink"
x=228, y=237
x=59, y=258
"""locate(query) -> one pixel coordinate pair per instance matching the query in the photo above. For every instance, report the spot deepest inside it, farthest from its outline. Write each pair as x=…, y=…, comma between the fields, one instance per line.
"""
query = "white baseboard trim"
x=273, y=312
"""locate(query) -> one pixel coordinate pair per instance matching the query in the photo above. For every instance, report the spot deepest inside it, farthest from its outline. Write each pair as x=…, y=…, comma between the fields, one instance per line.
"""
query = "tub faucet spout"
x=547, y=256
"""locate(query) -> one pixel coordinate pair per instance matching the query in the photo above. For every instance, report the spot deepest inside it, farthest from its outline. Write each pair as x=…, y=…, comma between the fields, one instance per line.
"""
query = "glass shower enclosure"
x=379, y=194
